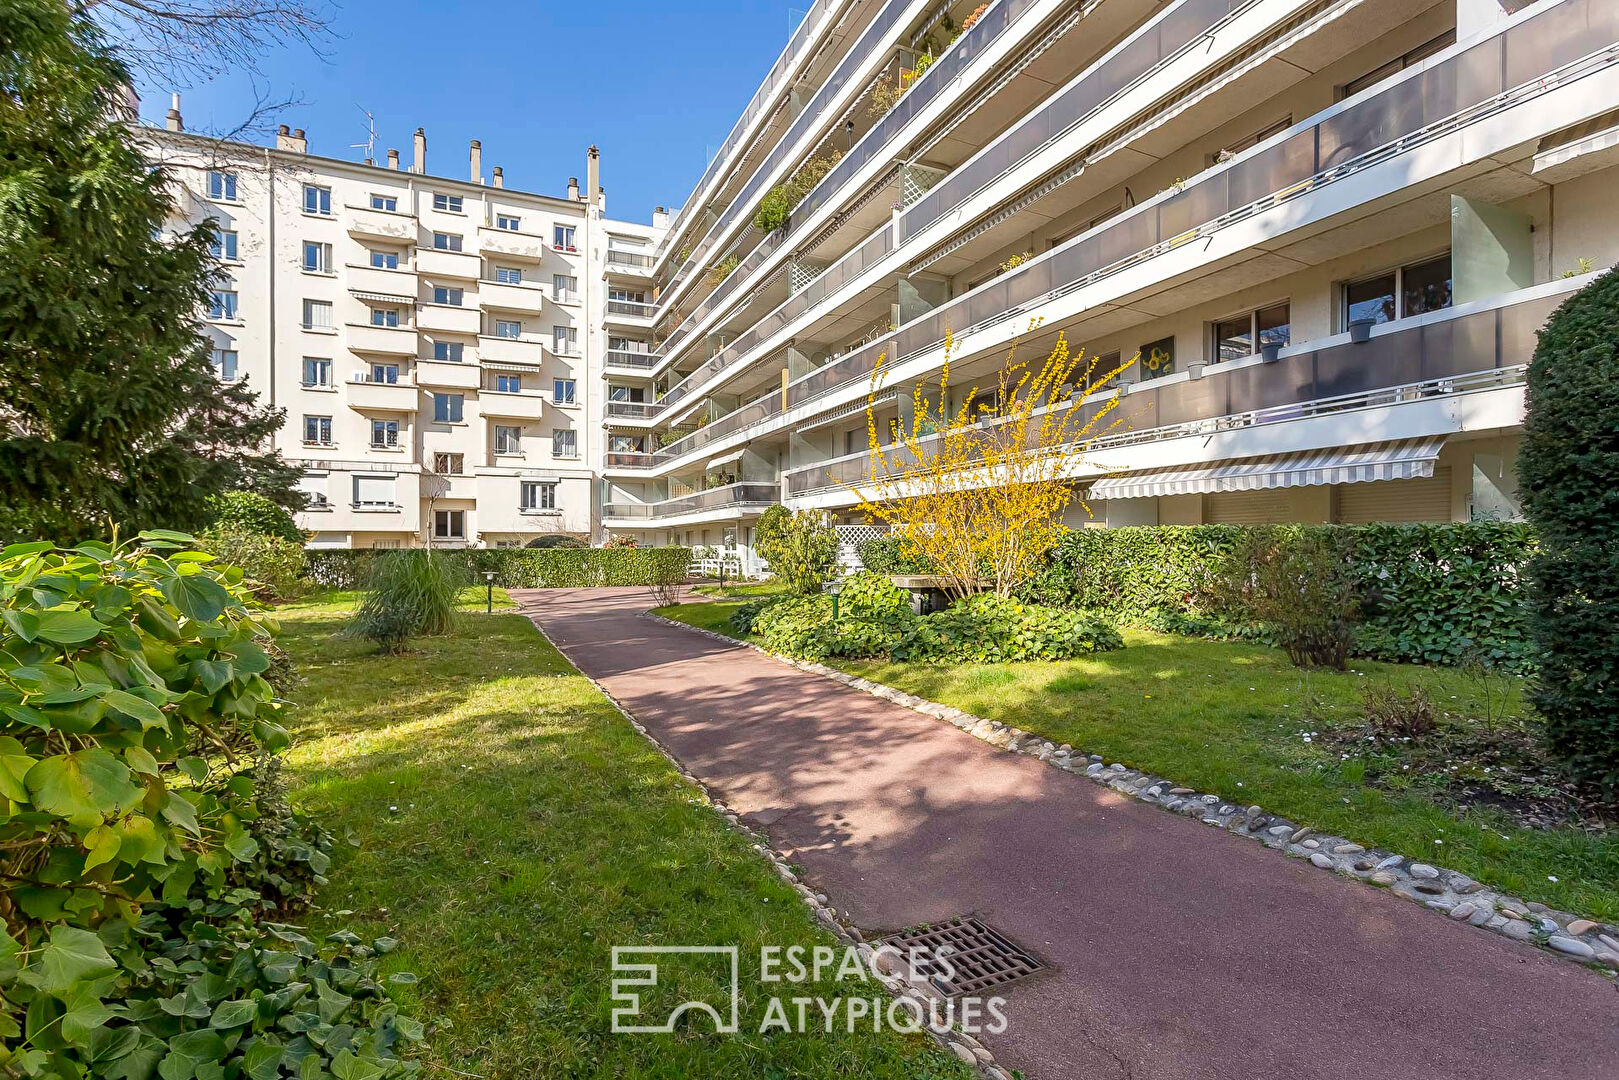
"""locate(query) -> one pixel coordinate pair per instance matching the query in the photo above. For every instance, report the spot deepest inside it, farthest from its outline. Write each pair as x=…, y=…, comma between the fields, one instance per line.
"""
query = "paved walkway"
x=1175, y=950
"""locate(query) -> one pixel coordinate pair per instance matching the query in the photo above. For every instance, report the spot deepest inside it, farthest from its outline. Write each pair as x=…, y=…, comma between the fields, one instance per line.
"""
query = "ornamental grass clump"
x=409, y=594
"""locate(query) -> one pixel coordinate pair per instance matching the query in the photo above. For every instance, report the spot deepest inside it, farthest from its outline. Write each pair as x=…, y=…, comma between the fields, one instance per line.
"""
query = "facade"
x=1330, y=229
x=439, y=345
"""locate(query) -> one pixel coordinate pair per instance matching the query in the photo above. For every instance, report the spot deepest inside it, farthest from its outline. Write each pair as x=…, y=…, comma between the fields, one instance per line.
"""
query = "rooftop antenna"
x=370, y=144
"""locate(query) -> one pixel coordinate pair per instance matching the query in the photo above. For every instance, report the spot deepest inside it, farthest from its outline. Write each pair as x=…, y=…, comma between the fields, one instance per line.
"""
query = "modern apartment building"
x=1330, y=228
x=442, y=347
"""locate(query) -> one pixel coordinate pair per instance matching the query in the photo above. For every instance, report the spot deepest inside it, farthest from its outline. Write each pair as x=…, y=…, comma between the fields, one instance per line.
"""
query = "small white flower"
x=1551, y=877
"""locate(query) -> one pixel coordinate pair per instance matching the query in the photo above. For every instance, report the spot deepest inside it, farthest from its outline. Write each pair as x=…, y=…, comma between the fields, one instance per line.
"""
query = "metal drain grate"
x=981, y=956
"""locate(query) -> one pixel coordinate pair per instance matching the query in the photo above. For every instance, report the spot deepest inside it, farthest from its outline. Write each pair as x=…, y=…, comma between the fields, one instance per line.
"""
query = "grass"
x=1241, y=721
x=750, y=590
x=512, y=827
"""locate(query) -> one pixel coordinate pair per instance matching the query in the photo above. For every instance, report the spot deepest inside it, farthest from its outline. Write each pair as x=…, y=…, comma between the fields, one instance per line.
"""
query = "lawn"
x=1241, y=721
x=512, y=827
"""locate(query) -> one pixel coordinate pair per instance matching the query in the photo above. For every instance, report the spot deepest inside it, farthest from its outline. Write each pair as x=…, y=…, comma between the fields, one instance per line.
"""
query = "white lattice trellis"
x=849, y=538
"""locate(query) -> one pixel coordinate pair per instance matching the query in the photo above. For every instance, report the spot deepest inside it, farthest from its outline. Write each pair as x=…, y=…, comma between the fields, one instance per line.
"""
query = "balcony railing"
x=637, y=409
x=616, y=257
x=1448, y=352
x=628, y=459
x=632, y=308
x=1526, y=61
x=730, y=496
x=624, y=358
x=1132, y=63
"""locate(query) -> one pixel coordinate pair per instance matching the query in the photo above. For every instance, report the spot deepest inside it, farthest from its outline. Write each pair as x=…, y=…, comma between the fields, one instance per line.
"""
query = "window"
x=222, y=304
x=384, y=373
x=314, y=486
x=562, y=238
x=317, y=372
x=317, y=314
x=317, y=257
x=507, y=328
x=564, y=288
x=1158, y=358
x=508, y=275
x=444, y=295
x=508, y=440
x=564, y=339
x=385, y=260
x=374, y=491
x=384, y=202
x=450, y=351
x=538, y=495
x=447, y=408
x=222, y=186
x=1398, y=64
x=628, y=295
x=509, y=384
x=508, y=222
x=449, y=524
x=381, y=316
x=317, y=200
x=564, y=443
x=385, y=434
x=318, y=430
x=449, y=203
x=223, y=245
x=562, y=391
x=1244, y=335
x=448, y=464
x=1399, y=294
x=443, y=241
x=225, y=364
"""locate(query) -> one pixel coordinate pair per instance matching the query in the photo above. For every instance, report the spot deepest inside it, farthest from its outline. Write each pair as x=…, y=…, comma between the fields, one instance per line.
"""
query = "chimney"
x=593, y=174
x=477, y=162
x=418, y=162
x=660, y=218
x=174, y=122
x=393, y=158
x=573, y=189
x=500, y=177
x=293, y=142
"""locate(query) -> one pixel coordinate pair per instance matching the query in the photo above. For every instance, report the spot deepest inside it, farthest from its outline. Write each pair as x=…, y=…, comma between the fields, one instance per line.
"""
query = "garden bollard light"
x=832, y=588
x=489, y=594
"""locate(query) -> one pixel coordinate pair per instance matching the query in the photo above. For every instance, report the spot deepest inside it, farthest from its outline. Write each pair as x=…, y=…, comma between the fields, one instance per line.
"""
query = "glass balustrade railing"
x=1523, y=62
x=1126, y=66
x=730, y=495
x=1448, y=354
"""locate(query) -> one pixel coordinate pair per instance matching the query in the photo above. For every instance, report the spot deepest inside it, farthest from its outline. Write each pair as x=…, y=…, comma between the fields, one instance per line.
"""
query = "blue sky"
x=656, y=85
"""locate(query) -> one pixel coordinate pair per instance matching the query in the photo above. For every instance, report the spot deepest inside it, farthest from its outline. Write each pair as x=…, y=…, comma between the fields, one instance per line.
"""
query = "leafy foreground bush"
x=145, y=845
x=875, y=621
x=410, y=593
x=1569, y=468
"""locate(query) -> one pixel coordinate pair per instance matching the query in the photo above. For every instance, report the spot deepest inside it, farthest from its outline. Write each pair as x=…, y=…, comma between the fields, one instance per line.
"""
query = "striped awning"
x=1405, y=459
x=383, y=298
x=726, y=459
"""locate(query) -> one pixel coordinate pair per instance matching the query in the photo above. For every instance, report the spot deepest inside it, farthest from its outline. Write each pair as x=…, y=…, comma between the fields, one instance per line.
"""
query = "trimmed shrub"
x=409, y=594
x=250, y=512
x=271, y=564
x=892, y=555
x=518, y=568
x=801, y=548
x=1569, y=469
x=559, y=540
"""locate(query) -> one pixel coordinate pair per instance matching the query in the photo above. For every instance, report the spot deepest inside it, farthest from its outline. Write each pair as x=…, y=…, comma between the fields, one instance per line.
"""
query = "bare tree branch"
x=187, y=42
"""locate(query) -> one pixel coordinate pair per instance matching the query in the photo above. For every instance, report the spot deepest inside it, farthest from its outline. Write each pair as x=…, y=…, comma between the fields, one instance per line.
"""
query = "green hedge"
x=520, y=568
x=1432, y=593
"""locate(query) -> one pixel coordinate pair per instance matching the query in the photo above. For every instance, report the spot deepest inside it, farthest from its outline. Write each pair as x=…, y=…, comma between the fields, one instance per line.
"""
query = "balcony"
x=451, y=264
x=505, y=296
x=381, y=225
x=442, y=375
x=630, y=264
x=629, y=313
x=1469, y=96
x=513, y=244
x=378, y=395
x=528, y=350
x=379, y=282
x=1431, y=359
x=523, y=405
x=732, y=500
x=625, y=362
x=388, y=340
x=448, y=319
x=629, y=459
x=631, y=410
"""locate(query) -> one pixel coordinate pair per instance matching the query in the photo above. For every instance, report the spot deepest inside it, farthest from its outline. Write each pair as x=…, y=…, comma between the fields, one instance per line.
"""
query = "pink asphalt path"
x=1175, y=950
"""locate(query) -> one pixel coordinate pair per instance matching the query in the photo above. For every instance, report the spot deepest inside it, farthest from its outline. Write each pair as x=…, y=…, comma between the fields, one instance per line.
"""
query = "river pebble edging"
x=1448, y=892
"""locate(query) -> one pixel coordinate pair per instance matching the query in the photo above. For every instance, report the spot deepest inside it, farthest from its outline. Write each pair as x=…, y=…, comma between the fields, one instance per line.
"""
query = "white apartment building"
x=443, y=347
x=1330, y=228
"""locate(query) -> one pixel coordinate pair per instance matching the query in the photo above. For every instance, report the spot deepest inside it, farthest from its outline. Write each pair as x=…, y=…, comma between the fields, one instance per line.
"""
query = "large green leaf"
x=84, y=786
x=197, y=596
x=68, y=627
x=140, y=709
x=231, y=1014
x=71, y=956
